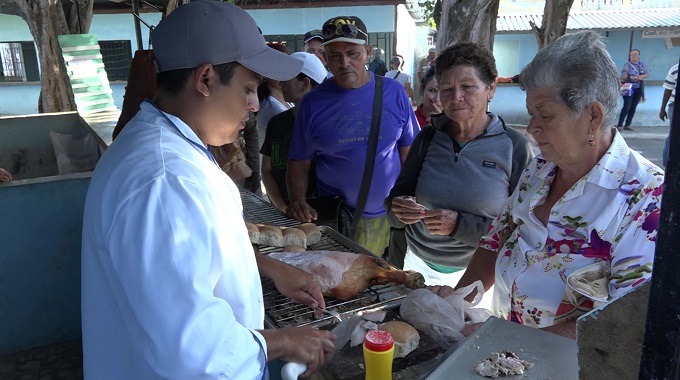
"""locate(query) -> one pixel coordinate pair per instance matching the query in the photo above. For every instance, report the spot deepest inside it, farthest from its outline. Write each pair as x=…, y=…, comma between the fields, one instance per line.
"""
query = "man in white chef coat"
x=170, y=282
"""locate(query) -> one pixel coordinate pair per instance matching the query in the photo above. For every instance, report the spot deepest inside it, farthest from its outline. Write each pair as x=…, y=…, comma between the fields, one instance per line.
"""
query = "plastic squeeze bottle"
x=378, y=355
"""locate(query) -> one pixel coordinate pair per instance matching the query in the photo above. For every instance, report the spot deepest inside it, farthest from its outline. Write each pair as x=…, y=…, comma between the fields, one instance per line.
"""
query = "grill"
x=282, y=312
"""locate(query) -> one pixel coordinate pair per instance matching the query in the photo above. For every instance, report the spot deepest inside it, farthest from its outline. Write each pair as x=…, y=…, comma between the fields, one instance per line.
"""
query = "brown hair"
x=467, y=53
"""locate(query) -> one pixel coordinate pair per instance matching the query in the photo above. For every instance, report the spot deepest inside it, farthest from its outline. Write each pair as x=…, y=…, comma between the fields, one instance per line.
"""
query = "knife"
x=342, y=331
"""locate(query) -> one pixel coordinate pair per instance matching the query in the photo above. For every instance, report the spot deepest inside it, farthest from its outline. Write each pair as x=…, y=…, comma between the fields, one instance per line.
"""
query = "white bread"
x=406, y=337
x=312, y=231
x=294, y=236
x=293, y=248
x=253, y=233
x=271, y=236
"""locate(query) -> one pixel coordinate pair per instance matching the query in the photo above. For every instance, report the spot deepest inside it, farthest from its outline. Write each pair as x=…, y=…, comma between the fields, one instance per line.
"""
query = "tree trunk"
x=46, y=20
x=467, y=20
x=554, y=23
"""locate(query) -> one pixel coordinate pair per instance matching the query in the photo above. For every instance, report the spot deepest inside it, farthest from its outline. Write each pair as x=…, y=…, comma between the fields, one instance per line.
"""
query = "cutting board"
x=347, y=364
x=554, y=356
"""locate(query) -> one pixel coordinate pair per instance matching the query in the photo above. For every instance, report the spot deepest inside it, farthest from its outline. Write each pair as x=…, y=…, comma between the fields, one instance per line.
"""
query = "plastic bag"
x=75, y=155
x=443, y=319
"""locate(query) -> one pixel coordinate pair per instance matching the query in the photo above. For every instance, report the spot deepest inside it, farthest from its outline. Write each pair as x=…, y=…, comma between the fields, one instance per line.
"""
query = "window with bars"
x=116, y=55
x=18, y=62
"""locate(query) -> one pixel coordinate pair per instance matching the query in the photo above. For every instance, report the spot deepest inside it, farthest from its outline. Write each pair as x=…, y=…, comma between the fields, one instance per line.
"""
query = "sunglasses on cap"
x=341, y=30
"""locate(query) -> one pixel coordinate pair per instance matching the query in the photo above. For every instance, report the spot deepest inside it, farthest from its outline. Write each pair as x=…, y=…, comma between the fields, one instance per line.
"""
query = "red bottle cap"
x=378, y=340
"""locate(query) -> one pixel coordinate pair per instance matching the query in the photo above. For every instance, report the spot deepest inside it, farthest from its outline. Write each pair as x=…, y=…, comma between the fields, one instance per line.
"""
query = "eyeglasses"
x=343, y=30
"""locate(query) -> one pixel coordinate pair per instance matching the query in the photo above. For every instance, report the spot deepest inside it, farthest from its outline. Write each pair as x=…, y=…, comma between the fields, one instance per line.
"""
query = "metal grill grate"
x=282, y=312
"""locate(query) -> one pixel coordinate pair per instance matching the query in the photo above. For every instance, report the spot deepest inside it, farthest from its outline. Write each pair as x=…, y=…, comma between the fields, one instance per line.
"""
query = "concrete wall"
x=406, y=41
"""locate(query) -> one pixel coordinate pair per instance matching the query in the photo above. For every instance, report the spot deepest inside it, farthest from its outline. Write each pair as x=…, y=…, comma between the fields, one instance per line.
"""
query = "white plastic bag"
x=443, y=319
x=75, y=155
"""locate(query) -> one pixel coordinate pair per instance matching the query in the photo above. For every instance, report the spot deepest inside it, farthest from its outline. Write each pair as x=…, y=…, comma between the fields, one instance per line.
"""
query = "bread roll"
x=293, y=248
x=312, y=231
x=271, y=236
x=253, y=233
x=294, y=236
x=406, y=337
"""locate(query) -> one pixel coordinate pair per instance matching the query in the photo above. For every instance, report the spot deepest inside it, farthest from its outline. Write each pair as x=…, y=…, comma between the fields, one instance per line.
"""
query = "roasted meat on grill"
x=343, y=275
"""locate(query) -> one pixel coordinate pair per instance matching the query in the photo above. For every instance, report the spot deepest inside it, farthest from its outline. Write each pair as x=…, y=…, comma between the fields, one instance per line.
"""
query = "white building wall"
x=406, y=39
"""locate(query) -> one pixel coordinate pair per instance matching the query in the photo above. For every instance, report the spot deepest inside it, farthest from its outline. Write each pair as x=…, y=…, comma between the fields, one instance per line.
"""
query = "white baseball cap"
x=311, y=66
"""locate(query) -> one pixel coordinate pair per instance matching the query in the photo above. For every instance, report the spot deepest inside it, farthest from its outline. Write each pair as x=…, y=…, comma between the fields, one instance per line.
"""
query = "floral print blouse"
x=610, y=214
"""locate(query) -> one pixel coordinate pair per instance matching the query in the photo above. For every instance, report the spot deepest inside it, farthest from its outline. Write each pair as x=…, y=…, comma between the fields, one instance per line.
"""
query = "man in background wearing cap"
x=170, y=283
x=280, y=130
x=313, y=41
x=332, y=126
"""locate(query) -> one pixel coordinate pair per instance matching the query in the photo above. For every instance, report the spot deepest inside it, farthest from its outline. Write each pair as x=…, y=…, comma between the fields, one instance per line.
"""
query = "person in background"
x=634, y=71
x=270, y=94
x=397, y=64
x=5, y=176
x=171, y=284
x=313, y=40
x=471, y=164
x=332, y=127
x=241, y=159
x=431, y=105
x=425, y=64
x=377, y=65
x=668, y=99
x=280, y=131
x=586, y=200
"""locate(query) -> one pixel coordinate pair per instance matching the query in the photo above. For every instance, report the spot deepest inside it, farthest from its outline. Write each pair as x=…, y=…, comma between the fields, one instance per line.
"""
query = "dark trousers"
x=629, y=105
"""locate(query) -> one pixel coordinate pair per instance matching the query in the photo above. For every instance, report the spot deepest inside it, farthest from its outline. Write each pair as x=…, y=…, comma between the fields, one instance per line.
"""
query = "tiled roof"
x=597, y=20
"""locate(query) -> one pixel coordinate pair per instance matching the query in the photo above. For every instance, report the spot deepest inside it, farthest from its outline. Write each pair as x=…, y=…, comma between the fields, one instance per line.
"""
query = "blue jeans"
x=669, y=113
x=629, y=105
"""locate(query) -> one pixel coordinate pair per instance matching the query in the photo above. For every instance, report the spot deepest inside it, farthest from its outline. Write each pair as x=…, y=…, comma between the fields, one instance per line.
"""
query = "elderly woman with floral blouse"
x=586, y=199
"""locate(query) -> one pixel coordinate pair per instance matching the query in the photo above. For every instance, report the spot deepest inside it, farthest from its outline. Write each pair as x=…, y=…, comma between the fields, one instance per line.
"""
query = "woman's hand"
x=440, y=222
x=407, y=210
x=471, y=328
x=5, y=176
x=441, y=290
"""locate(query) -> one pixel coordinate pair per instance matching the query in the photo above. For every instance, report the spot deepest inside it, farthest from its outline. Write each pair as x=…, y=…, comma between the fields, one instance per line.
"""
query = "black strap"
x=428, y=133
x=397, y=76
x=372, y=148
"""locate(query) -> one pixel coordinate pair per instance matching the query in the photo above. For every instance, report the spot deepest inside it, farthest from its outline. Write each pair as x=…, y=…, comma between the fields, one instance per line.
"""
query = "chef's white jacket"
x=170, y=286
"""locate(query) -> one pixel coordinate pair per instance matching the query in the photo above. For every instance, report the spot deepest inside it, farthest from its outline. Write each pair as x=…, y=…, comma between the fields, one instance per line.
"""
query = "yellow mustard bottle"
x=378, y=355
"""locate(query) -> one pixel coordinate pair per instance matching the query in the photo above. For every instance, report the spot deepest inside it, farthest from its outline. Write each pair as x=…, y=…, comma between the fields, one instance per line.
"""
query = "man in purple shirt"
x=333, y=125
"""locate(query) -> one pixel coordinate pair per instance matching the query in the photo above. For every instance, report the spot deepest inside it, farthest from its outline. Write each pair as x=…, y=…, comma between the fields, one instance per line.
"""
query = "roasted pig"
x=343, y=275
